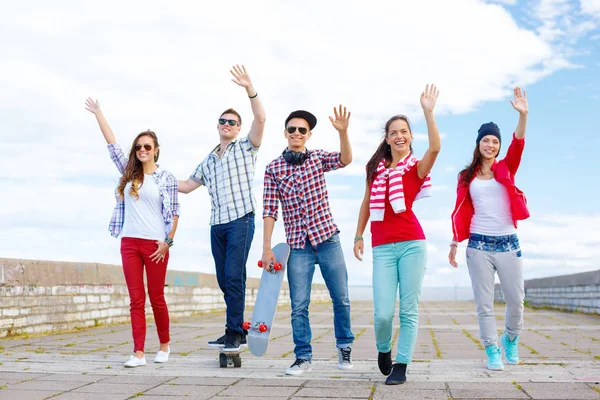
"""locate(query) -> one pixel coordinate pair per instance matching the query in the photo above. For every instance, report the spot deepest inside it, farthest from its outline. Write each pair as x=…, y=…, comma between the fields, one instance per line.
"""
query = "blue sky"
x=166, y=68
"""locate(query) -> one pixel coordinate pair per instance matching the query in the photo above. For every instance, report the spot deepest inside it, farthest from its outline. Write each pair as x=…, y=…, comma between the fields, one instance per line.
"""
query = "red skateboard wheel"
x=262, y=328
x=277, y=266
x=260, y=263
x=246, y=325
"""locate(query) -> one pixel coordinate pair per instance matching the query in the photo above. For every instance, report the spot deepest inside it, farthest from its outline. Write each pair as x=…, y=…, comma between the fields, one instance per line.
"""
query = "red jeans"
x=135, y=254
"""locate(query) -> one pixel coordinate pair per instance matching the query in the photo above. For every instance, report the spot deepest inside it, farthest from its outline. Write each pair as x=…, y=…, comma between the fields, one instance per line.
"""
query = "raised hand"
x=240, y=76
x=429, y=97
x=520, y=102
x=92, y=106
x=341, y=120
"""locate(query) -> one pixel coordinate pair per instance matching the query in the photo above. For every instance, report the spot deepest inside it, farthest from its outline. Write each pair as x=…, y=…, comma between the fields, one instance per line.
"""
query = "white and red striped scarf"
x=394, y=177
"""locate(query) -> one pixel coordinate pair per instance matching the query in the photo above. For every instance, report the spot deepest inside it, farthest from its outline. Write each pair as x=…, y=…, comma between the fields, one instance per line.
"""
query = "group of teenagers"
x=488, y=206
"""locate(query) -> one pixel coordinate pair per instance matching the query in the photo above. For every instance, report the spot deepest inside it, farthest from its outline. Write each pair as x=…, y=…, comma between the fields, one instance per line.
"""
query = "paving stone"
x=259, y=391
x=91, y=396
x=562, y=390
x=336, y=393
x=118, y=388
x=8, y=394
x=383, y=392
x=204, y=381
x=58, y=386
x=192, y=391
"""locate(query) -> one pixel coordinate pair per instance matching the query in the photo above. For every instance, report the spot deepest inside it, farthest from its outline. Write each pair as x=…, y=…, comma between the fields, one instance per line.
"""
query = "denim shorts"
x=495, y=244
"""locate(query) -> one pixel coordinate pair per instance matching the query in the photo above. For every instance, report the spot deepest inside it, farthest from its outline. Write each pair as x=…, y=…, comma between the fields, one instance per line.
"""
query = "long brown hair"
x=134, y=171
x=465, y=177
x=384, y=151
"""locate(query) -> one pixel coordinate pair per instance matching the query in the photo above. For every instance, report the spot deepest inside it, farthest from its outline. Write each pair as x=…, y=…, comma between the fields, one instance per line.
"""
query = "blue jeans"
x=398, y=268
x=301, y=268
x=230, y=244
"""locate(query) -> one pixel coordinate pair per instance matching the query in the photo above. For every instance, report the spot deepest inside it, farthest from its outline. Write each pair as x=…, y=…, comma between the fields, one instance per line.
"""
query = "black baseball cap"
x=305, y=115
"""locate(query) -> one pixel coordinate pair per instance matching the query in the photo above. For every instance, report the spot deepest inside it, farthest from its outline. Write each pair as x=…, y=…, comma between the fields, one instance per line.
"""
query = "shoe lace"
x=299, y=362
x=512, y=347
x=346, y=354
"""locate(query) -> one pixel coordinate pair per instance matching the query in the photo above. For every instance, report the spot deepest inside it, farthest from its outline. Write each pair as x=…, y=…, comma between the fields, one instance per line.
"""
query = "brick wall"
x=575, y=292
x=40, y=296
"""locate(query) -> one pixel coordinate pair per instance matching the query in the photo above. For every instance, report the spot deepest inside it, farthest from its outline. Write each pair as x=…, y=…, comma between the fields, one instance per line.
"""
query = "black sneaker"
x=398, y=375
x=220, y=342
x=232, y=343
x=384, y=360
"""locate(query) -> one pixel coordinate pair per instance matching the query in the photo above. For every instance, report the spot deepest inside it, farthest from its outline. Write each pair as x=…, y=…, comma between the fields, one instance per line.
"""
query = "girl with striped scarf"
x=395, y=179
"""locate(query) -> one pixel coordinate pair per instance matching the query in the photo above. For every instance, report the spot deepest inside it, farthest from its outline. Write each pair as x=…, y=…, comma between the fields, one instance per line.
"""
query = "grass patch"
x=287, y=353
x=597, y=358
x=373, y=388
x=474, y=340
x=531, y=349
x=39, y=350
x=541, y=334
x=70, y=344
x=336, y=377
x=438, y=352
x=517, y=385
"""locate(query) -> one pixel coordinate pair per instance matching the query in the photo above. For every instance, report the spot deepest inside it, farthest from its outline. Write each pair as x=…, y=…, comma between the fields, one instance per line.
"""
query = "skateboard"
x=229, y=359
x=259, y=328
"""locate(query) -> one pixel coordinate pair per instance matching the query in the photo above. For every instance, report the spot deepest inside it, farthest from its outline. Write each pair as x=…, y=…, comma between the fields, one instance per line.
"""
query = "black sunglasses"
x=147, y=147
x=231, y=122
x=301, y=129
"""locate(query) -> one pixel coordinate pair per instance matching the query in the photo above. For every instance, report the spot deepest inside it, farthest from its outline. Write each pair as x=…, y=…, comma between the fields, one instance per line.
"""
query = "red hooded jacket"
x=504, y=172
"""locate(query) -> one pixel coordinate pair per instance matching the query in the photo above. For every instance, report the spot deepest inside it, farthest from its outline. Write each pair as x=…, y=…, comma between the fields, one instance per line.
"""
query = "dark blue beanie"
x=488, y=128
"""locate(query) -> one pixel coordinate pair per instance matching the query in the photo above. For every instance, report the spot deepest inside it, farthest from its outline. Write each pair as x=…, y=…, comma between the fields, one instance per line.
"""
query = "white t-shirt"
x=143, y=216
x=492, y=208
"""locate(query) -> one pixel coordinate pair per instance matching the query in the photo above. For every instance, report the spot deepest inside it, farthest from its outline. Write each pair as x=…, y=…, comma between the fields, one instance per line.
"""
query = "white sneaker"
x=162, y=356
x=345, y=358
x=299, y=367
x=135, y=362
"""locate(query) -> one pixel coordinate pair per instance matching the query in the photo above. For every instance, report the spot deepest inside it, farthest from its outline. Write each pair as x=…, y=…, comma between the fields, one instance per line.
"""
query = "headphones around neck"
x=295, y=157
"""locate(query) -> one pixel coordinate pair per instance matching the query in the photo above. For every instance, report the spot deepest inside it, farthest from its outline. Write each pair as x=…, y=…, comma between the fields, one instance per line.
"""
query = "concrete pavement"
x=560, y=355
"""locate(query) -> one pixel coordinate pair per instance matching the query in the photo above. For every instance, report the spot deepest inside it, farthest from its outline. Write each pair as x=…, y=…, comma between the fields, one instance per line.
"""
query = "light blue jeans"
x=300, y=271
x=398, y=268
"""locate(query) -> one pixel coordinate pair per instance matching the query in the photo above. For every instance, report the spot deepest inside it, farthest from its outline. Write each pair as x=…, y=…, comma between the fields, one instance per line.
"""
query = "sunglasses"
x=231, y=122
x=147, y=147
x=292, y=129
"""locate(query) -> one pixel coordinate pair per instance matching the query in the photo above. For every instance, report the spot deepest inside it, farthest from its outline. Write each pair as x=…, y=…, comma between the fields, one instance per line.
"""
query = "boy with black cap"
x=228, y=174
x=296, y=179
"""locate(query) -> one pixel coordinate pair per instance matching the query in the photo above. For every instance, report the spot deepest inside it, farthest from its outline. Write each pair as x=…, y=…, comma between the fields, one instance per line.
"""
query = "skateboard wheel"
x=246, y=325
x=222, y=360
x=237, y=362
x=277, y=266
x=262, y=328
x=259, y=263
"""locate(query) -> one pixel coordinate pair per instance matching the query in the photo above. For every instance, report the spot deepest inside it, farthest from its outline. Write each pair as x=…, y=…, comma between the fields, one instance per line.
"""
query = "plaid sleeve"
x=117, y=156
x=173, y=194
x=246, y=144
x=270, y=196
x=330, y=160
x=197, y=176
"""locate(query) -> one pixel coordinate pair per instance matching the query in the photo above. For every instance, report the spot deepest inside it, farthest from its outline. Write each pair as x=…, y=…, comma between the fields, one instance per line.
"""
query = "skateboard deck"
x=259, y=328
x=229, y=359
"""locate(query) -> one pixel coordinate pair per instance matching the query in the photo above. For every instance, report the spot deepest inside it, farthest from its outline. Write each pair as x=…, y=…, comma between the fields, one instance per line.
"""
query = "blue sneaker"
x=511, y=348
x=494, y=358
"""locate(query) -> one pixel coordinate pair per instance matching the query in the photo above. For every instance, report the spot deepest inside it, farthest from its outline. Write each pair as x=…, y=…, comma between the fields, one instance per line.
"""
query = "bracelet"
x=253, y=96
x=169, y=241
x=357, y=238
x=454, y=243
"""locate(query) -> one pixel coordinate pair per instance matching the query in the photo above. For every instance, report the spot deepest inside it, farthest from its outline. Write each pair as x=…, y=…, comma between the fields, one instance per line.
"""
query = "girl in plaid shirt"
x=146, y=218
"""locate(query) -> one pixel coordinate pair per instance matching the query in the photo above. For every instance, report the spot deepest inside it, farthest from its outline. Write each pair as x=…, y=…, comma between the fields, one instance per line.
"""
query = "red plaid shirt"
x=303, y=195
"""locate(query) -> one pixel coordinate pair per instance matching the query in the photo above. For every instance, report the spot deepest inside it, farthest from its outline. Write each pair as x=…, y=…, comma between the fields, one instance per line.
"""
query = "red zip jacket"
x=504, y=172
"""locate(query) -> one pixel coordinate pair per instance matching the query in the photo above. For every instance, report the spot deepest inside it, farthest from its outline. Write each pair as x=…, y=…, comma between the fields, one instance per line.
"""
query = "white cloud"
x=165, y=67
x=591, y=7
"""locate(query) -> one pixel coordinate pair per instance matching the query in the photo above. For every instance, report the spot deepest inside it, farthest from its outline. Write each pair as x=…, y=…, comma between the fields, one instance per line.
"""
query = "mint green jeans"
x=398, y=268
